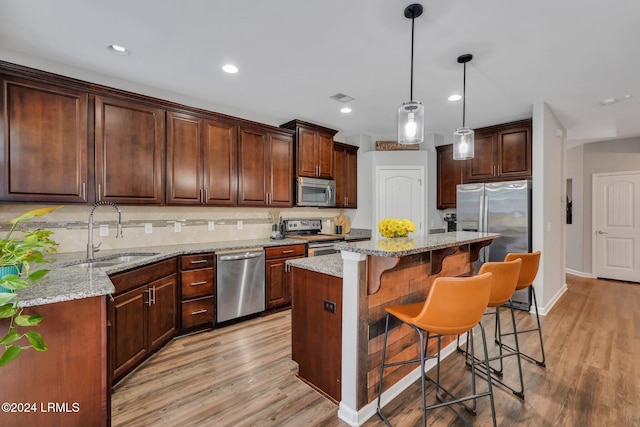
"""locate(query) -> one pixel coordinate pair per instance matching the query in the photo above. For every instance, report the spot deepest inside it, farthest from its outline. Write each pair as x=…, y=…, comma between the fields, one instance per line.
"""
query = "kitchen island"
x=373, y=274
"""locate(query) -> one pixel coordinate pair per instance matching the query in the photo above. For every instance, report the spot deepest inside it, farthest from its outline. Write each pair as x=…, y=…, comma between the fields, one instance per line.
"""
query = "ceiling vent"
x=342, y=97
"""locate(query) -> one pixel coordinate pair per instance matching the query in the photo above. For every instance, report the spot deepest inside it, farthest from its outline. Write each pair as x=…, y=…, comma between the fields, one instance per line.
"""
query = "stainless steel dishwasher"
x=240, y=283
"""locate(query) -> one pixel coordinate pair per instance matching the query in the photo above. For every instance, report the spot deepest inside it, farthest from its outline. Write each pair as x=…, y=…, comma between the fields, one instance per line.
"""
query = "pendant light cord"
x=413, y=20
x=464, y=93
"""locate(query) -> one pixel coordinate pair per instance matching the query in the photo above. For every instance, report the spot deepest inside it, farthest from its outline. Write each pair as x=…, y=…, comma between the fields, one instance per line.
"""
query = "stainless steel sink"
x=115, y=260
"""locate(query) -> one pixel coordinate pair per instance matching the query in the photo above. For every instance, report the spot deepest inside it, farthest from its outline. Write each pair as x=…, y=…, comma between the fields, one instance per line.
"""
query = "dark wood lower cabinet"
x=71, y=374
x=316, y=330
x=142, y=316
x=277, y=278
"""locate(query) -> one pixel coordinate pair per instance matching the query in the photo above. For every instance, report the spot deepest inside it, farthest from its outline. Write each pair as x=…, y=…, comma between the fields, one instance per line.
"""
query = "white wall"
x=548, y=204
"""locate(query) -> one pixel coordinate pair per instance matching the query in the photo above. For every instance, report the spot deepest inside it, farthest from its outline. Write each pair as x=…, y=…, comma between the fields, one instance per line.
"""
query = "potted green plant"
x=17, y=257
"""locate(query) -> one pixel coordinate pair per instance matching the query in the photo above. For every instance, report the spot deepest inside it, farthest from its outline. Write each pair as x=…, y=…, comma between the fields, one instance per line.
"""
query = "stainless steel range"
x=309, y=230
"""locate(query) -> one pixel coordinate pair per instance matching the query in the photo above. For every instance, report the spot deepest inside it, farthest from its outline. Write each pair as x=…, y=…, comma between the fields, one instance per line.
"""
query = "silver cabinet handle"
x=84, y=191
x=198, y=283
x=287, y=251
x=601, y=232
x=200, y=261
x=150, y=300
x=204, y=310
x=99, y=193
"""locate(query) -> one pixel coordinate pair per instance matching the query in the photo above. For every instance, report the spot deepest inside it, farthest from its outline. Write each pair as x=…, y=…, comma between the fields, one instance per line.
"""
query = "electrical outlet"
x=239, y=225
x=104, y=230
x=177, y=226
x=211, y=225
x=148, y=228
x=329, y=306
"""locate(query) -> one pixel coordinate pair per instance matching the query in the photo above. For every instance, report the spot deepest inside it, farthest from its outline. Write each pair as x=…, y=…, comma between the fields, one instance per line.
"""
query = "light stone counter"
x=325, y=264
x=67, y=281
x=403, y=246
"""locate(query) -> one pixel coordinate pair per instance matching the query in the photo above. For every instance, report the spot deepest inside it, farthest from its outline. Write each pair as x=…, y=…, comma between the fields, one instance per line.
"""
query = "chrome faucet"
x=90, y=248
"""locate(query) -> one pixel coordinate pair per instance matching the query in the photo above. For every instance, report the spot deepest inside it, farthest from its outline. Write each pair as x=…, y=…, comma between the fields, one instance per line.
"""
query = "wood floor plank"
x=243, y=375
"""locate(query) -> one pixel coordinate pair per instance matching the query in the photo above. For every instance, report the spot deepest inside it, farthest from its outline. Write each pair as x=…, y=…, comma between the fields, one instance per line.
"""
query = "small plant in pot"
x=18, y=255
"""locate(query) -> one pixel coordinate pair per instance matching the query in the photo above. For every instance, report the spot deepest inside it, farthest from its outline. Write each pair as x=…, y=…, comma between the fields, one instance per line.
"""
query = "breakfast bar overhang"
x=379, y=273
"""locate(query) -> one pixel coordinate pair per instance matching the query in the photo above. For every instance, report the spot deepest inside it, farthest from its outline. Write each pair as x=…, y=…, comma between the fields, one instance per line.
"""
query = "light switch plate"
x=148, y=228
x=104, y=229
x=239, y=225
x=211, y=225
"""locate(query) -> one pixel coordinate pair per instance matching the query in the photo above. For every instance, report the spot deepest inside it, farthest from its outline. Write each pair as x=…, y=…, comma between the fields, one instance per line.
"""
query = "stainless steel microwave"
x=315, y=192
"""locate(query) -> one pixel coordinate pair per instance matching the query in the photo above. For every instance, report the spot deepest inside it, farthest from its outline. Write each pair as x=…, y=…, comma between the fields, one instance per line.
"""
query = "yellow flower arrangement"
x=394, y=227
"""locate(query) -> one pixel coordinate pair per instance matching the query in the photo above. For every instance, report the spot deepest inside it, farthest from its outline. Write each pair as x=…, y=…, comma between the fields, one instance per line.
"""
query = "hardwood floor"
x=242, y=375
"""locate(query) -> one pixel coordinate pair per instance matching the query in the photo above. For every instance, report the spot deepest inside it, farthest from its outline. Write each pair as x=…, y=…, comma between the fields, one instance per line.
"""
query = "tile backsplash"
x=70, y=224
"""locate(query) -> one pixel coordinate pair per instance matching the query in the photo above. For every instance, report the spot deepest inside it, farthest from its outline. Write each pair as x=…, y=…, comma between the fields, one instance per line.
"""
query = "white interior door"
x=400, y=194
x=616, y=224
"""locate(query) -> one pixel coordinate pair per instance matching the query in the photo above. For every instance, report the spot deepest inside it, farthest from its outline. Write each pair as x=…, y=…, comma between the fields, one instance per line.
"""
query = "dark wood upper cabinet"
x=502, y=152
x=43, y=132
x=129, y=151
x=450, y=175
x=346, y=175
x=201, y=161
x=265, y=168
x=314, y=149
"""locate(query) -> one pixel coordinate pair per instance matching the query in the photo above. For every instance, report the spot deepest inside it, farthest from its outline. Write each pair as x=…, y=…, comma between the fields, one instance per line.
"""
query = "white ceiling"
x=294, y=54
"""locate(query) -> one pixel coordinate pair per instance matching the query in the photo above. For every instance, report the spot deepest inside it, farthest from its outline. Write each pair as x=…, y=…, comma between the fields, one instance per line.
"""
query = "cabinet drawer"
x=197, y=312
x=284, y=251
x=143, y=275
x=191, y=262
x=197, y=283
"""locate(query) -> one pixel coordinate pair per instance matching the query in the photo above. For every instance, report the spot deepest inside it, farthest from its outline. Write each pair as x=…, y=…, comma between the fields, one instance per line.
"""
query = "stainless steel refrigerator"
x=501, y=207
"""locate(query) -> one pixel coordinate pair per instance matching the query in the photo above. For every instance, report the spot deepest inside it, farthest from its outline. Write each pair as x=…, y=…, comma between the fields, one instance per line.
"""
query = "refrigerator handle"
x=484, y=225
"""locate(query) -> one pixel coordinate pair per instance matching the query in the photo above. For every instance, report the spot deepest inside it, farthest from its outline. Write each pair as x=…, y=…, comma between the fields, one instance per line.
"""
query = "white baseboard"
x=544, y=310
x=579, y=273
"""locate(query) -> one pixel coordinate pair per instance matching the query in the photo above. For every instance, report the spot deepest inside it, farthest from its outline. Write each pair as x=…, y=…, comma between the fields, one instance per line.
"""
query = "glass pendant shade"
x=411, y=123
x=463, y=139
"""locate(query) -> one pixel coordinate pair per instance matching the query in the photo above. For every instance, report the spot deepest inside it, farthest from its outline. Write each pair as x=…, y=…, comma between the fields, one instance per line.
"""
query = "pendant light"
x=411, y=113
x=463, y=137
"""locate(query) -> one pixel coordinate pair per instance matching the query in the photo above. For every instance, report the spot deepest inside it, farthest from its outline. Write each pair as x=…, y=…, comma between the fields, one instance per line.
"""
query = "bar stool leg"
x=514, y=332
x=384, y=351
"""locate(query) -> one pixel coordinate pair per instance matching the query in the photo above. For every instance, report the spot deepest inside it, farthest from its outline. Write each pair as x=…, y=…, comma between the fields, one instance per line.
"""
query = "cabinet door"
x=351, y=181
x=339, y=163
x=514, y=153
x=162, y=312
x=129, y=342
x=184, y=164
x=220, y=148
x=306, y=152
x=43, y=132
x=483, y=164
x=252, y=168
x=280, y=177
x=129, y=141
x=449, y=176
x=276, y=284
x=324, y=156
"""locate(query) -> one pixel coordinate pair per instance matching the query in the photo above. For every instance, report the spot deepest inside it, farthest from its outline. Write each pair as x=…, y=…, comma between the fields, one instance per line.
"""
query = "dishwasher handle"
x=235, y=257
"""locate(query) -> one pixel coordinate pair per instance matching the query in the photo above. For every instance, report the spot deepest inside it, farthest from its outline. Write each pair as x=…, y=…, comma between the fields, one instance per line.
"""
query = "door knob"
x=601, y=232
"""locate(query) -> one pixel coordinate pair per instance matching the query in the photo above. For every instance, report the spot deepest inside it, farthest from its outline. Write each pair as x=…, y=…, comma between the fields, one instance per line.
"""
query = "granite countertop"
x=326, y=264
x=68, y=281
x=403, y=246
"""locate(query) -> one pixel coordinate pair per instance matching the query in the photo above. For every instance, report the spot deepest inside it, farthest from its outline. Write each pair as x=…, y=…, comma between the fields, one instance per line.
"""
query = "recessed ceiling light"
x=345, y=110
x=230, y=68
x=455, y=97
x=119, y=50
x=628, y=96
x=608, y=101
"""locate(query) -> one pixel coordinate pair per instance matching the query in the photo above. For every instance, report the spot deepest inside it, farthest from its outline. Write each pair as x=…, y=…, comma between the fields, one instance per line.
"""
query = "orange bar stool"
x=503, y=285
x=528, y=272
x=454, y=305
